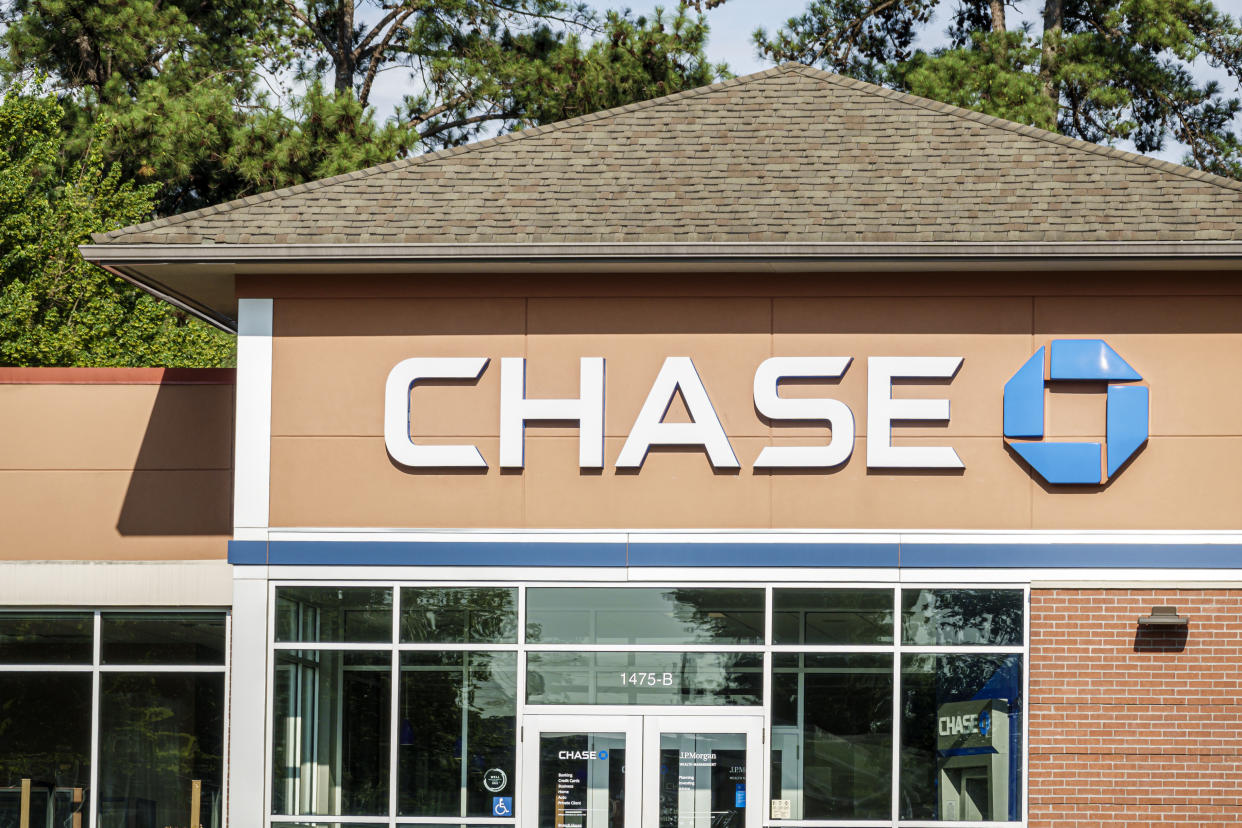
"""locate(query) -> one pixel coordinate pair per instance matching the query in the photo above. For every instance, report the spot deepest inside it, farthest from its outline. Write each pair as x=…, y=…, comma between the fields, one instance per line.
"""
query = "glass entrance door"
x=633, y=771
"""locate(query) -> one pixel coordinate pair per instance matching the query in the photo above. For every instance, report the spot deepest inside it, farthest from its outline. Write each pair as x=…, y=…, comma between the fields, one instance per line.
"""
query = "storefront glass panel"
x=961, y=737
x=628, y=678
x=457, y=734
x=331, y=732
x=702, y=780
x=458, y=616
x=961, y=617
x=832, y=734
x=161, y=748
x=346, y=615
x=832, y=616
x=612, y=615
x=45, y=748
x=582, y=780
x=46, y=638
x=162, y=638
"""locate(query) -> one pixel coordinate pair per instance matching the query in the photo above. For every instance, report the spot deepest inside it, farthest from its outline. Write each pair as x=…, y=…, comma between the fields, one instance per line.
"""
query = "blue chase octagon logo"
x=1076, y=360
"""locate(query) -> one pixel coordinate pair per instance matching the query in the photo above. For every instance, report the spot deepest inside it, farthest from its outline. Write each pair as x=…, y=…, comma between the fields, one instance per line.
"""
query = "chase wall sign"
x=1076, y=361
x=1073, y=360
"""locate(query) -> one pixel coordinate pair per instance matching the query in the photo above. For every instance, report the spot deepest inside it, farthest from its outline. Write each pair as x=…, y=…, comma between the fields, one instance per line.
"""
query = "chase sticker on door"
x=1076, y=361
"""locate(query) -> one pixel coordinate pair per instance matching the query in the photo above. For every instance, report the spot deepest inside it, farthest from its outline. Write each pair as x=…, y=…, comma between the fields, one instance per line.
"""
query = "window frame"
x=716, y=579
x=95, y=668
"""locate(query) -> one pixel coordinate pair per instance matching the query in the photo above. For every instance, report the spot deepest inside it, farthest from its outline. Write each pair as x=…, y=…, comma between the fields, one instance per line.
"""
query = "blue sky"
x=733, y=24
x=730, y=42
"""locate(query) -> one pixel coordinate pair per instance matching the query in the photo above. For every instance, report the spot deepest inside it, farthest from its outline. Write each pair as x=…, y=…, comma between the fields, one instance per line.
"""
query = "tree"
x=55, y=309
x=523, y=78
x=1100, y=70
x=173, y=78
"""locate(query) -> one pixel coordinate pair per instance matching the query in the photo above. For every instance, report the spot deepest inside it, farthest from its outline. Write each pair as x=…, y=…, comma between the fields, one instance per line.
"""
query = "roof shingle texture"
x=792, y=154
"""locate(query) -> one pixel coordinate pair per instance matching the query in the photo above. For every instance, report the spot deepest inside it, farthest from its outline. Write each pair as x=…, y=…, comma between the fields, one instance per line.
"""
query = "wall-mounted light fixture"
x=1164, y=617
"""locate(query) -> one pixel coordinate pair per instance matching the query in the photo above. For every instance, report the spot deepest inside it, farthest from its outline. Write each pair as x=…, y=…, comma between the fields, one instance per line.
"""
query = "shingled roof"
x=791, y=154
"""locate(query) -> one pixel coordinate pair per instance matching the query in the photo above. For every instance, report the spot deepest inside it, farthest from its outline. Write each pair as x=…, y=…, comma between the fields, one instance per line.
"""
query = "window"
x=154, y=682
x=344, y=746
x=400, y=704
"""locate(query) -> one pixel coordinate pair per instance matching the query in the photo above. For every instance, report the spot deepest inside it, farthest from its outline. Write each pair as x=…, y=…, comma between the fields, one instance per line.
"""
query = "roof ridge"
x=436, y=155
x=1015, y=127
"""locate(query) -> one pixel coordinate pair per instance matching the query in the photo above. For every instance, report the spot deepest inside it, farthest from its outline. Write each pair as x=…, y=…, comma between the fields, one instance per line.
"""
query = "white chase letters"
x=587, y=410
x=837, y=414
x=397, y=412
x=649, y=430
x=882, y=409
x=705, y=430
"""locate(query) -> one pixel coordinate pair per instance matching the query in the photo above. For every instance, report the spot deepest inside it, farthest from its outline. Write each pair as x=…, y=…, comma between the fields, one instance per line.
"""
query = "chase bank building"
x=786, y=452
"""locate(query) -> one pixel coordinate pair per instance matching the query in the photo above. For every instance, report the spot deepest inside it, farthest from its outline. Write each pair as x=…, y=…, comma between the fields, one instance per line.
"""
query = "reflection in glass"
x=159, y=733
x=331, y=714
x=352, y=615
x=644, y=678
x=434, y=735
x=832, y=734
x=459, y=615
x=581, y=780
x=832, y=616
x=45, y=736
x=702, y=780
x=162, y=638
x=46, y=637
x=616, y=615
x=961, y=617
x=961, y=737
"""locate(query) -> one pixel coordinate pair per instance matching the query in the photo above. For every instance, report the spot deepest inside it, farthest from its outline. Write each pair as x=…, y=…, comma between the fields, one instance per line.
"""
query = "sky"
x=732, y=25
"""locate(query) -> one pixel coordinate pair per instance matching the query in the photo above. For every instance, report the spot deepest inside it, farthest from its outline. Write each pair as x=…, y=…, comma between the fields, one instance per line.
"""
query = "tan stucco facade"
x=336, y=340
x=115, y=464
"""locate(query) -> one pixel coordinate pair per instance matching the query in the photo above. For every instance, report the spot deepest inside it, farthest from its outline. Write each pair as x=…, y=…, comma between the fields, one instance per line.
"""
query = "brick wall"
x=1129, y=727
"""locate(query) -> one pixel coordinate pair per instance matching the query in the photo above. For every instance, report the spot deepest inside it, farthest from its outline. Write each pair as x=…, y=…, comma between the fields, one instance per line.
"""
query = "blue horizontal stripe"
x=1074, y=555
x=446, y=553
x=248, y=552
x=763, y=554
x=734, y=554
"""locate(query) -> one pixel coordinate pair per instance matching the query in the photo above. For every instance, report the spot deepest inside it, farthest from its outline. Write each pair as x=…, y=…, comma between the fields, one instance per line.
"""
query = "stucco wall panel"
x=1182, y=346
x=331, y=358
x=115, y=464
x=671, y=490
x=991, y=494
x=992, y=335
x=635, y=335
x=1173, y=482
x=350, y=481
x=115, y=515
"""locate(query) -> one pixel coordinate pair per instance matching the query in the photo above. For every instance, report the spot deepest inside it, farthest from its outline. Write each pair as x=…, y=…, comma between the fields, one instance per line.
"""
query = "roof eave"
x=135, y=262
x=653, y=252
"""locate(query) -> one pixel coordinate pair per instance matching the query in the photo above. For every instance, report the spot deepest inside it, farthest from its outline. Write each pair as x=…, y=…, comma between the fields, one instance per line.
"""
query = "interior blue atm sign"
x=1076, y=360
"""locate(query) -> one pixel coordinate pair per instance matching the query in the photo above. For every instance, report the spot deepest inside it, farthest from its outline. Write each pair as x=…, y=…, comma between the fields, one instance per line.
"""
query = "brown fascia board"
x=128, y=260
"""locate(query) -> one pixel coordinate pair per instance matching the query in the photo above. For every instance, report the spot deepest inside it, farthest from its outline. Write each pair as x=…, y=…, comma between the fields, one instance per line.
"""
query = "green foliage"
x=997, y=75
x=172, y=78
x=327, y=133
x=507, y=77
x=55, y=309
x=1106, y=70
x=633, y=60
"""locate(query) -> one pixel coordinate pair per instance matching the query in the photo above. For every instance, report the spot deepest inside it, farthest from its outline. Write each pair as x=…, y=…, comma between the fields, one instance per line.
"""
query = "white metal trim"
x=253, y=423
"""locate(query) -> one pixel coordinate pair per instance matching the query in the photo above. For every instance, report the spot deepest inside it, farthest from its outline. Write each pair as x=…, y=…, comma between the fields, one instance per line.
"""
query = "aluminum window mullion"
x=895, y=811
x=636, y=648
x=394, y=726
x=765, y=757
x=95, y=691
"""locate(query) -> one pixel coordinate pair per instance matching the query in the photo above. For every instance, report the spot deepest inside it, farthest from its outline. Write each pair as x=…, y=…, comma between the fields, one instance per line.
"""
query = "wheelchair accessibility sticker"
x=502, y=806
